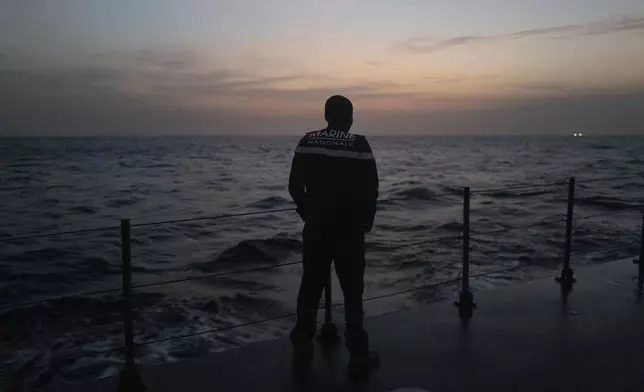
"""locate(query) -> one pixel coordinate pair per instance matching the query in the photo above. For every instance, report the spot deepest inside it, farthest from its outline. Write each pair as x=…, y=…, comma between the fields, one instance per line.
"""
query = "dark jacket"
x=334, y=179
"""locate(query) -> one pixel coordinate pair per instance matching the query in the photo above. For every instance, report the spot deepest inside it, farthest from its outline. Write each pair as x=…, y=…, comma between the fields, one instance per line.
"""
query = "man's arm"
x=297, y=184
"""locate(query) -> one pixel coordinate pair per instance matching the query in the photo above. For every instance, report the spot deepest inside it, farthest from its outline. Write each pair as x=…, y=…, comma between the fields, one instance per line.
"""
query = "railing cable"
x=214, y=330
x=200, y=277
x=215, y=275
x=430, y=197
x=499, y=271
x=518, y=187
x=629, y=209
x=424, y=242
x=269, y=267
x=607, y=250
x=184, y=220
x=507, y=229
x=284, y=316
x=56, y=299
x=213, y=217
x=28, y=237
x=640, y=175
x=223, y=216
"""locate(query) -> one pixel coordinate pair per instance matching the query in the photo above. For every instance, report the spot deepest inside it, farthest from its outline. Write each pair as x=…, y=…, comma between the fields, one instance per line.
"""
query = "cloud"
x=545, y=87
x=158, y=92
x=167, y=60
x=117, y=113
x=72, y=103
x=451, y=79
x=594, y=114
x=609, y=26
x=166, y=73
x=92, y=102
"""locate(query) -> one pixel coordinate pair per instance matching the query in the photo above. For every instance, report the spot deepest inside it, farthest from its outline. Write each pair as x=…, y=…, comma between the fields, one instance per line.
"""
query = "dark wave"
x=276, y=187
x=50, y=202
x=629, y=186
x=116, y=203
x=158, y=165
x=240, y=302
x=25, y=163
x=51, y=277
x=83, y=210
x=415, y=193
x=99, y=267
x=58, y=186
x=406, y=183
x=271, y=202
x=243, y=302
x=451, y=189
x=510, y=194
x=160, y=236
x=405, y=228
x=268, y=250
x=451, y=226
x=19, y=179
x=604, y=202
x=73, y=314
x=212, y=306
x=601, y=147
x=48, y=254
x=224, y=177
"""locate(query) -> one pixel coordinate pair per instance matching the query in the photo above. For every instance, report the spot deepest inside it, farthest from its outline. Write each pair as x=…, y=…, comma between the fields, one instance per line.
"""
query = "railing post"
x=567, y=277
x=329, y=331
x=466, y=303
x=640, y=262
x=130, y=378
x=328, y=316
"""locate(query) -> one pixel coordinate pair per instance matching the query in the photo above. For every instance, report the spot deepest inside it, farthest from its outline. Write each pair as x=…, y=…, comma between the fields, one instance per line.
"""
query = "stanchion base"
x=130, y=380
x=329, y=335
x=639, y=279
x=466, y=306
x=466, y=299
x=466, y=314
x=567, y=278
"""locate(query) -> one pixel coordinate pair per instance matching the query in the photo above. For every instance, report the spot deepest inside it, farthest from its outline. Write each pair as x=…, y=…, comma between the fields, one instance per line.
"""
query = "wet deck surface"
x=524, y=337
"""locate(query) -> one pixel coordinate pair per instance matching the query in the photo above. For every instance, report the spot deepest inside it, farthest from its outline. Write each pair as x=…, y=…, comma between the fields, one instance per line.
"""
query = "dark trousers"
x=345, y=246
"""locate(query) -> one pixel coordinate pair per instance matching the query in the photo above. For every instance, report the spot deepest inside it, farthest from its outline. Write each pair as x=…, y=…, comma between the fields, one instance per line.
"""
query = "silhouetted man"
x=334, y=183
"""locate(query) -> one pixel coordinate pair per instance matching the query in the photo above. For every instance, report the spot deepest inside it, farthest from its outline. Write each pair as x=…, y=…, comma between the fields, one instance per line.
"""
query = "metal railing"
x=130, y=377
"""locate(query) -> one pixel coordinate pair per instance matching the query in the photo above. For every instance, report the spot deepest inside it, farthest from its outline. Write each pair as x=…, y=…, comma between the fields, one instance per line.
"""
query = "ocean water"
x=59, y=184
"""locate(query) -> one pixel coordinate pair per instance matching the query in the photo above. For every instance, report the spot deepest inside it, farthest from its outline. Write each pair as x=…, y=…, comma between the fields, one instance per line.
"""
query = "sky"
x=130, y=67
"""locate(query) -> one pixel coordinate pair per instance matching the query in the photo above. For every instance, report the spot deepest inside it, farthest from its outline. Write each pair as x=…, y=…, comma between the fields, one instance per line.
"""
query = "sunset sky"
x=85, y=67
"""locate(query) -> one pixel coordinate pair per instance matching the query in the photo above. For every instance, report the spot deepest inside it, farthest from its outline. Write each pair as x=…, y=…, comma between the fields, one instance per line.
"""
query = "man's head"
x=338, y=112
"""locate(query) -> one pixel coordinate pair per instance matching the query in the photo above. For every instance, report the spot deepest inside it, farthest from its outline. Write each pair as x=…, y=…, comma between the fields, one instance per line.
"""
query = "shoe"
x=362, y=366
x=302, y=356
